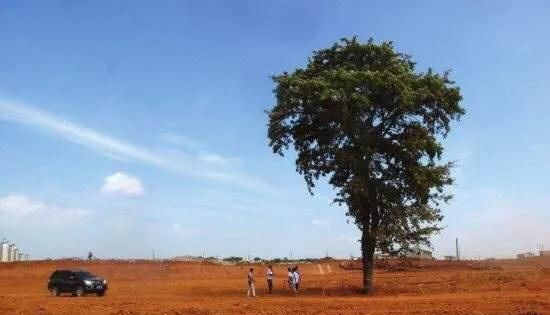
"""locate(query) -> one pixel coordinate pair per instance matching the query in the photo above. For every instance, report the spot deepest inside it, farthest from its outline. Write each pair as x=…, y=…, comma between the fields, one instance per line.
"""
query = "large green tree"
x=361, y=115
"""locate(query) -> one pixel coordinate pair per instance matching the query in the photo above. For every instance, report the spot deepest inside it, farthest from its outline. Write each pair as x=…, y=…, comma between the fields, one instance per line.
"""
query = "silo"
x=15, y=253
x=26, y=257
x=4, y=250
x=20, y=257
x=11, y=248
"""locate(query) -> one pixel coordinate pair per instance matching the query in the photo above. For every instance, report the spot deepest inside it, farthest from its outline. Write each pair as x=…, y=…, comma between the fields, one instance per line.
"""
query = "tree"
x=233, y=259
x=362, y=116
x=90, y=256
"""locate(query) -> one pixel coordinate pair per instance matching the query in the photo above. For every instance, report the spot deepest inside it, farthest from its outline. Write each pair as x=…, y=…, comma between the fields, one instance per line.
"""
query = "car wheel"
x=54, y=291
x=100, y=293
x=79, y=292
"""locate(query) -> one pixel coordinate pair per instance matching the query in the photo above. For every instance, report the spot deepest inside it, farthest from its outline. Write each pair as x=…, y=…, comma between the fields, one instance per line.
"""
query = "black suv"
x=77, y=282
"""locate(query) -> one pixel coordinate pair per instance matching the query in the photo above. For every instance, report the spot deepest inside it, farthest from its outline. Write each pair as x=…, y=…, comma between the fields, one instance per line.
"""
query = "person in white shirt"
x=291, y=280
x=251, y=281
x=296, y=277
x=269, y=275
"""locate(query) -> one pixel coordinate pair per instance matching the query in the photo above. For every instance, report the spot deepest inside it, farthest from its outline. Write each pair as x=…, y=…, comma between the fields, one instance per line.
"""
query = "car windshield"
x=84, y=275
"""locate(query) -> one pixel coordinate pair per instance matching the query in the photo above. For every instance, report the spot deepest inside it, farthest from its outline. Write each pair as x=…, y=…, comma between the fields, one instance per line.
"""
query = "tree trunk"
x=367, y=251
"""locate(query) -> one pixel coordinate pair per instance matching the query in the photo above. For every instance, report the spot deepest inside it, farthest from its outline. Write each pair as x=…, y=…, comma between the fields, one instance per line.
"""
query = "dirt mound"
x=404, y=264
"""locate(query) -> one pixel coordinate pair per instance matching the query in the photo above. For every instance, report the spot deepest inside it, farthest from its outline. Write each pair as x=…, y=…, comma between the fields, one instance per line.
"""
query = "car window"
x=84, y=275
x=66, y=274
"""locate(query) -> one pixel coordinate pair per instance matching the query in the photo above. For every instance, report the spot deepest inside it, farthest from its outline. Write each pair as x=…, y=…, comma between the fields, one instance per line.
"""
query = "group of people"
x=294, y=278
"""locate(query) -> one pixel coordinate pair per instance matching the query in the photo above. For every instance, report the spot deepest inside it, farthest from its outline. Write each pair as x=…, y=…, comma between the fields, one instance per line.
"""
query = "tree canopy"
x=362, y=116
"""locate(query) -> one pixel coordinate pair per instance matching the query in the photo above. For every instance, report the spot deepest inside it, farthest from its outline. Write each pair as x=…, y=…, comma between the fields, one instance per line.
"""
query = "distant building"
x=418, y=253
x=4, y=251
x=525, y=255
x=11, y=250
x=449, y=257
x=381, y=255
x=545, y=252
x=187, y=258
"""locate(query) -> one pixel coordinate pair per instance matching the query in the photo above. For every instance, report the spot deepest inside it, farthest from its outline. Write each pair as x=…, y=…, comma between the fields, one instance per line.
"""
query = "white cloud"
x=122, y=184
x=15, y=208
x=19, y=205
x=114, y=148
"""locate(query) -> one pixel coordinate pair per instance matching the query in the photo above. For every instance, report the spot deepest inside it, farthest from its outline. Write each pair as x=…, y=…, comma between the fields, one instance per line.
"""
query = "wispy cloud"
x=72, y=132
x=216, y=159
x=118, y=149
x=180, y=140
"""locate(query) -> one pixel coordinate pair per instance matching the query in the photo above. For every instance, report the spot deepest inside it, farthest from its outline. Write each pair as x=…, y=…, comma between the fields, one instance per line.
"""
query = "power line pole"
x=457, y=253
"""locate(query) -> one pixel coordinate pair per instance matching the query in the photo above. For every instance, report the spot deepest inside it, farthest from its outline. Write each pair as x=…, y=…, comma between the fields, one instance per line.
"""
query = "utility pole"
x=457, y=253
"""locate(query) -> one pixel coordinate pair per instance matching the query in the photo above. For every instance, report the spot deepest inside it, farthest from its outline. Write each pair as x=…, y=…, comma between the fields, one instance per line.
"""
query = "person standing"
x=269, y=275
x=291, y=280
x=251, y=281
x=296, y=277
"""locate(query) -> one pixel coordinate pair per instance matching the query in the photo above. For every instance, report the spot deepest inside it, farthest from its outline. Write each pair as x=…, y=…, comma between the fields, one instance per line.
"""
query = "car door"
x=71, y=282
x=62, y=281
x=55, y=280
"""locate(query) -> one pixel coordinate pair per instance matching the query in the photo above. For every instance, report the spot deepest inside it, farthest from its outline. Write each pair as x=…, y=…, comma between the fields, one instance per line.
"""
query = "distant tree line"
x=236, y=259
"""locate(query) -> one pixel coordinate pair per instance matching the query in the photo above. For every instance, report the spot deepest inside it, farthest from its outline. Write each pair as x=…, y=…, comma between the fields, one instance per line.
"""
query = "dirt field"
x=503, y=287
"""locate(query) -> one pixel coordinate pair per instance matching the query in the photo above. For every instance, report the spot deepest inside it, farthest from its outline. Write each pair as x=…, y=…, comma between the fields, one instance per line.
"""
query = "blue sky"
x=132, y=126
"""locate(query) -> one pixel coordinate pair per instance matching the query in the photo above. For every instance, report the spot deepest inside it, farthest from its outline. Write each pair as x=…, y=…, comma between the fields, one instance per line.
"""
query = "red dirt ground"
x=501, y=287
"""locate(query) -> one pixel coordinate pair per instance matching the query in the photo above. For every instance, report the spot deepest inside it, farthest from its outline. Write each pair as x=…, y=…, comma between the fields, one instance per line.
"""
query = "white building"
x=525, y=255
x=188, y=258
x=418, y=253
